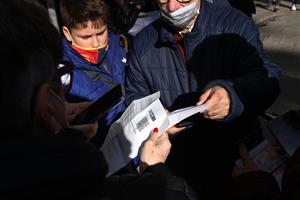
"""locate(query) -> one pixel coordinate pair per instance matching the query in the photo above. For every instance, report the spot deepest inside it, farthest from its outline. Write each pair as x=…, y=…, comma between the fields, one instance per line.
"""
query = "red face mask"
x=92, y=55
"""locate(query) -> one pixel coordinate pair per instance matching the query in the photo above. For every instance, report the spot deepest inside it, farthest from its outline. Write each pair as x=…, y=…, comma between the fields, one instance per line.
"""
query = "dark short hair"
x=30, y=50
x=74, y=12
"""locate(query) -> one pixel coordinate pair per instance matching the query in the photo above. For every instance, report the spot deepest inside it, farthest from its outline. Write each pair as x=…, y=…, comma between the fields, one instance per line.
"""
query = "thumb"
x=204, y=97
x=154, y=135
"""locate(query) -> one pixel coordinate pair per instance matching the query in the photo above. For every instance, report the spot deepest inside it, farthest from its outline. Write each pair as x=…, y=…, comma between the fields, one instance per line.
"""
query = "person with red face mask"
x=97, y=55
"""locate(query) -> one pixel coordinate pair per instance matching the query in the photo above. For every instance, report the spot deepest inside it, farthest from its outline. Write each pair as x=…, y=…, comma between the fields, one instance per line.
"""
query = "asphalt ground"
x=280, y=34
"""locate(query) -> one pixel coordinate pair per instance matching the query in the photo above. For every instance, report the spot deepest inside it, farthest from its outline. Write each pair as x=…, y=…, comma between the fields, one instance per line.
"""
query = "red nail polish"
x=155, y=130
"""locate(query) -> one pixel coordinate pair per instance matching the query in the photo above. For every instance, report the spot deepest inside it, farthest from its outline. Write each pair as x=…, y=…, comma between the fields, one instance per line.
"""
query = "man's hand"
x=72, y=110
x=218, y=102
x=155, y=150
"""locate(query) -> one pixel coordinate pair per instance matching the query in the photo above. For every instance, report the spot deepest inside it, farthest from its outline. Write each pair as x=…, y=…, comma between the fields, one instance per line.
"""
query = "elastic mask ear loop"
x=72, y=41
x=84, y=48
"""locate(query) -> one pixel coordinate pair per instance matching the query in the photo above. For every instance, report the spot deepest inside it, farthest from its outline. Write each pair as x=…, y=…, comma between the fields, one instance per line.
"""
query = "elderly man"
x=199, y=53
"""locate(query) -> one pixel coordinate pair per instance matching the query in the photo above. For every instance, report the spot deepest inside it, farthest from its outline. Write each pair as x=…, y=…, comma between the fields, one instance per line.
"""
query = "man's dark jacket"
x=223, y=49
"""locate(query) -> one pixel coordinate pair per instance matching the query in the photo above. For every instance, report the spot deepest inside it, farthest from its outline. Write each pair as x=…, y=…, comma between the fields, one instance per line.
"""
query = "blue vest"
x=110, y=72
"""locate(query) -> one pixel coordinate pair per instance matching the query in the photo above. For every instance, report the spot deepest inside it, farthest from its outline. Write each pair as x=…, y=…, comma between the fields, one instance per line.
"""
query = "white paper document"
x=264, y=156
x=126, y=135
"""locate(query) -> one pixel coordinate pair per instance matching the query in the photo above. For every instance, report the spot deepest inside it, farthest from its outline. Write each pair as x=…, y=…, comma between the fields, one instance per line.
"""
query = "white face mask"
x=182, y=17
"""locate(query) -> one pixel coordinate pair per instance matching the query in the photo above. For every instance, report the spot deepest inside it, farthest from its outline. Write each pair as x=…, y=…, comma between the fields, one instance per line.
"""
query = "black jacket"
x=246, y=6
x=68, y=167
x=223, y=48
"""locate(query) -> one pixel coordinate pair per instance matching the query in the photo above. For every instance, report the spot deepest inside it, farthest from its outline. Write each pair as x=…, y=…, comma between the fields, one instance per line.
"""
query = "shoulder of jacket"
x=118, y=40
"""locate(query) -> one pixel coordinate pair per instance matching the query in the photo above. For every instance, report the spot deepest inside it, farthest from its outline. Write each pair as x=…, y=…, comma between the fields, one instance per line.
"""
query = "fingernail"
x=155, y=130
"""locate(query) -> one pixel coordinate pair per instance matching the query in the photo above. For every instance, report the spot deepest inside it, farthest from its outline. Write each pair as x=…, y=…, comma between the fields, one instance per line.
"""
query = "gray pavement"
x=280, y=34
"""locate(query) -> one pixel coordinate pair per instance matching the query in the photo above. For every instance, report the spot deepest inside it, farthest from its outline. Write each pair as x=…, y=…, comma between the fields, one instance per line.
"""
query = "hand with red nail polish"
x=155, y=150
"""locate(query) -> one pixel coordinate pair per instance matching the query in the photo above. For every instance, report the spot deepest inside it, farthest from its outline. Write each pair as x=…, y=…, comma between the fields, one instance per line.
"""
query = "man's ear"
x=67, y=33
x=48, y=115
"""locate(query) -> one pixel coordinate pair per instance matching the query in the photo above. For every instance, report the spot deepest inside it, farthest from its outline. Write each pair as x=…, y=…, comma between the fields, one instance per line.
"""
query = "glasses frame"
x=179, y=1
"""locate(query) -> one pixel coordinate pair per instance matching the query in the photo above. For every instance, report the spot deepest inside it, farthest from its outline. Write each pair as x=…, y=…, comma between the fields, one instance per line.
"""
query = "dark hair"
x=74, y=12
x=30, y=50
